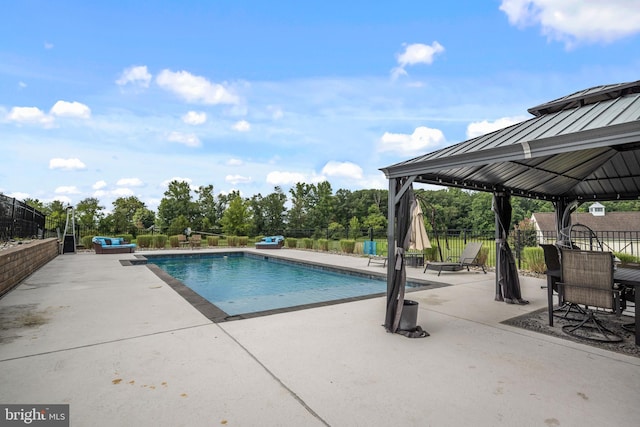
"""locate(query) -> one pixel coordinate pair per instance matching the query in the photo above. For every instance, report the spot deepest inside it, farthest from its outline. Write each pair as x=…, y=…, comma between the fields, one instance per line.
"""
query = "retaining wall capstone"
x=18, y=262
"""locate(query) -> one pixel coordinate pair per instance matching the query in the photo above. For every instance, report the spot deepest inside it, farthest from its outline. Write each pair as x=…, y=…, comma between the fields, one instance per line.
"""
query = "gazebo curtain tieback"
x=399, y=253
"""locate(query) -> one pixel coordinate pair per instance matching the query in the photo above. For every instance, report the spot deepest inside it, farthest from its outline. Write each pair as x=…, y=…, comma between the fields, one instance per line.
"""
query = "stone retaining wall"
x=20, y=261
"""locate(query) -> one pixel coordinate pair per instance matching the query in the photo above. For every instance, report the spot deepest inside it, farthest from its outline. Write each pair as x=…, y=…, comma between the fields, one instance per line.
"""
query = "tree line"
x=314, y=207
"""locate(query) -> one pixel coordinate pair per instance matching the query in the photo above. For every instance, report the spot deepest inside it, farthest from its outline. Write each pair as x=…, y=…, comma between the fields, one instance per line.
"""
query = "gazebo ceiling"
x=584, y=146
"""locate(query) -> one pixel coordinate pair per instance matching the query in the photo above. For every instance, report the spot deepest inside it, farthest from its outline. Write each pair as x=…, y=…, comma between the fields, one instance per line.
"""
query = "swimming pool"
x=238, y=283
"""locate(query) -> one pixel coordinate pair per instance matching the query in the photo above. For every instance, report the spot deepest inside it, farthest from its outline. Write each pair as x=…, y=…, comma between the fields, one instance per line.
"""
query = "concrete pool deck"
x=121, y=347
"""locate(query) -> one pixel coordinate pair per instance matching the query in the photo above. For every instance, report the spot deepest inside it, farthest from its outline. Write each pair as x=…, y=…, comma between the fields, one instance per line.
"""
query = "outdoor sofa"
x=271, y=242
x=112, y=245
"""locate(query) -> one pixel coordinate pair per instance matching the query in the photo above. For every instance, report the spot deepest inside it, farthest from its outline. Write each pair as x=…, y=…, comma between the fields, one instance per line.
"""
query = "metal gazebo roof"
x=584, y=146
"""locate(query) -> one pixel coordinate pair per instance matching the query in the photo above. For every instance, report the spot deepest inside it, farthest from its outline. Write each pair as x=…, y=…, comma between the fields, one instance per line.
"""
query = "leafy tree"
x=257, y=207
x=320, y=205
x=335, y=231
x=36, y=204
x=144, y=218
x=206, y=209
x=176, y=201
x=56, y=213
x=236, y=219
x=343, y=210
x=124, y=208
x=298, y=214
x=274, y=211
x=354, y=228
x=89, y=213
x=482, y=217
x=178, y=225
x=375, y=219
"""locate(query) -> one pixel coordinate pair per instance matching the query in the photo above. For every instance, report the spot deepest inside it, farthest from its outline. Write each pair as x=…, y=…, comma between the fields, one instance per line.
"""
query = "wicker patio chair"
x=587, y=279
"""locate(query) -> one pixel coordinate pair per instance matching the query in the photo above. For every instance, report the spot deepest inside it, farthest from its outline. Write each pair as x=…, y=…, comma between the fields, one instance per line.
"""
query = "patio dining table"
x=631, y=277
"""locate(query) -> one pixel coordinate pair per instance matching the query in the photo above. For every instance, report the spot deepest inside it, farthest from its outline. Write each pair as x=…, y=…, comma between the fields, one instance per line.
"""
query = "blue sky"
x=116, y=99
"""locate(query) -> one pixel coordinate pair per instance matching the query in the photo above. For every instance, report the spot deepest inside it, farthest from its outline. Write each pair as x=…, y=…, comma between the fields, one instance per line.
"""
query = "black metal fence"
x=445, y=242
x=19, y=220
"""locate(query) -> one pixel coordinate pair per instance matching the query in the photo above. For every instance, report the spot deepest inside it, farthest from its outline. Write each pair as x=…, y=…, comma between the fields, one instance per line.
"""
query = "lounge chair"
x=468, y=258
x=377, y=259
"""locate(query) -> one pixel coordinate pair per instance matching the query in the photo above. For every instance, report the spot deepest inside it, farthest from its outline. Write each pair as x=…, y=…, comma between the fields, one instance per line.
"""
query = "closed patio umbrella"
x=419, y=238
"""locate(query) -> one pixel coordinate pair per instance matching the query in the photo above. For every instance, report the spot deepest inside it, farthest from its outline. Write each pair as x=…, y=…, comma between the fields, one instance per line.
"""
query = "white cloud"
x=235, y=162
x=17, y=195
x=130, y=182
x=419, y=53
x=136, y=75
x=195, y=88
x=194, y=118
x=65, y=200
x=72, y=189
x=29, y=115
x=342, y=169
x=70, y=109
x=285, y=178
x=48, y=45
x=422, y=139
x=242, y=126
x=99, y=184
x=66, y=164
x=481, y=128
x=22, y=85
x=238, y=179
x=416, y=53
x=122, y=192
x=188, y=139
x=576, y=21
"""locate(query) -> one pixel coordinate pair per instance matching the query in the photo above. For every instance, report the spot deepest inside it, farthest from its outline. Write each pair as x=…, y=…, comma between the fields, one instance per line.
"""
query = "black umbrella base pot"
x=409, y=319
x=409, y=316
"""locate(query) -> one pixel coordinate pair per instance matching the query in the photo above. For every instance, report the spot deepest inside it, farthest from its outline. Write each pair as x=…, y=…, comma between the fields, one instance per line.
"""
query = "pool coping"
x=217, y=315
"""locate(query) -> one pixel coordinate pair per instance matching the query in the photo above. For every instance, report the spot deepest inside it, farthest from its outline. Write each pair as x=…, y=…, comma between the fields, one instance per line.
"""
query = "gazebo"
x=581, y=147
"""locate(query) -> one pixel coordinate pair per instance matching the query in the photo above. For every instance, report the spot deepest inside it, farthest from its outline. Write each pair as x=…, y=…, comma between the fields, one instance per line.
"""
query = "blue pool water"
x=243, y=284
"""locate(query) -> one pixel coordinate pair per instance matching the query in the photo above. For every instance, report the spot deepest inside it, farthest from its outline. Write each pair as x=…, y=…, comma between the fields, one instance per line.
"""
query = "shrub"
x=86, y=242
x=483, y=255
x=323, y=245
x=347, y=245
x=292, y=243
x=243, y=240
x=307, y=243
x=213, y=240
x=173, y=241
x=145, y=240
x=432, y=253
x=232, y=240
x=159, y=241
x=626, y=258
x=534, y=257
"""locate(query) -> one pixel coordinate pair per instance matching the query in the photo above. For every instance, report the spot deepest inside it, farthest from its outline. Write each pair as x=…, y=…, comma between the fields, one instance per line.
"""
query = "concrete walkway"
x=122, y=348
